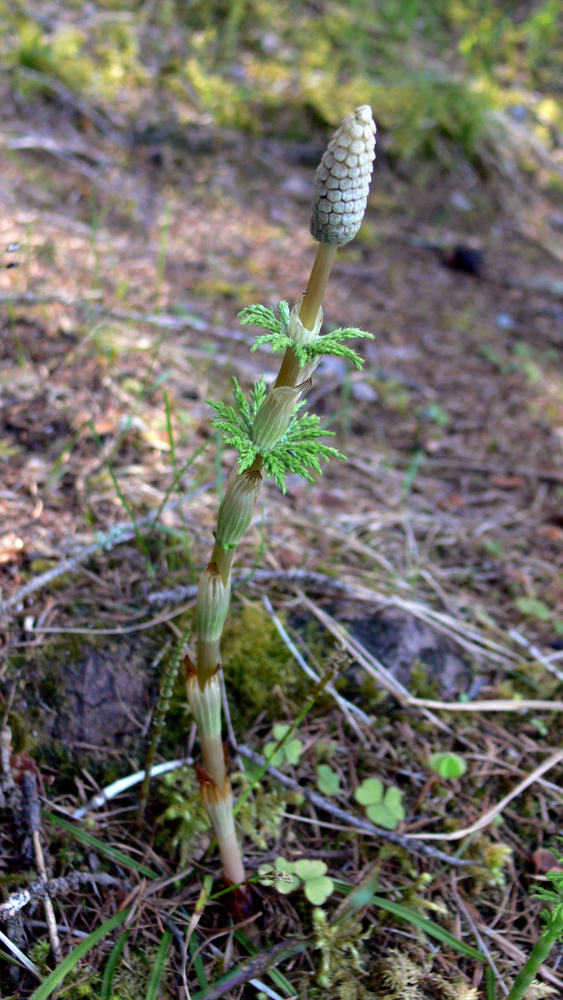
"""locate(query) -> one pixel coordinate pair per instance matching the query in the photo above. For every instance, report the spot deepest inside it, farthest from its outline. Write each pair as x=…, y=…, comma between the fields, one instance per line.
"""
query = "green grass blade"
x=411, y=472
x=490, y=984
x=539, y=954
x=158, y=968
x=199, y=967
x=110, y=852
x=111, y=965
x=429, y=927
x=275, y=975
x=71, y=961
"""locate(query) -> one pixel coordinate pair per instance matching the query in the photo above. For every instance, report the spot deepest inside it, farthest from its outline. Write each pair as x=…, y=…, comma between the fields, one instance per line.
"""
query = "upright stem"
x=159, y=715
x=316, y=286
x=224, y=560
x=216, y=790
x=312, y=301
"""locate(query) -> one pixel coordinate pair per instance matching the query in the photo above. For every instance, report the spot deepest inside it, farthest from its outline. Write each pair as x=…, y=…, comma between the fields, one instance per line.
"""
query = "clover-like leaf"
x=290, y=751
x=309, y=873
x=317, y=885
x=284, y=868
x=317, y=890
x=370, y=792
x=280, y=730
x=275, y=759
x=383, y=808
x=309, y=868
x=328, y=781
x=448, y=765
x=388, y=813
x=293, y=750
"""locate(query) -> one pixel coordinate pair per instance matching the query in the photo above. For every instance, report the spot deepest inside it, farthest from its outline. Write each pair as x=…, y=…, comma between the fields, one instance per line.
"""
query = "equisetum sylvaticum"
x=272, y=439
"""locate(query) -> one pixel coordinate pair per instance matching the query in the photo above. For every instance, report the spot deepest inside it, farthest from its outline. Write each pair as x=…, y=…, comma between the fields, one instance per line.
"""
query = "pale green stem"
x=289, y=373
x=217, y=795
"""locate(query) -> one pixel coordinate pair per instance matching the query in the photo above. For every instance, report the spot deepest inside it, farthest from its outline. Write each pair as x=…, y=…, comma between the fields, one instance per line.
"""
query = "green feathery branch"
x=279, y=338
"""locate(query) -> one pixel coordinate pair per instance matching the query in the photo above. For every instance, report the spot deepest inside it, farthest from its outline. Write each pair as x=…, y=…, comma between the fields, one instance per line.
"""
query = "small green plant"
x=272, y=440
x=308, y=874
x=328, y=781
x=383, y=807
x=290, y=751
x=448, y=765
x=533, y=608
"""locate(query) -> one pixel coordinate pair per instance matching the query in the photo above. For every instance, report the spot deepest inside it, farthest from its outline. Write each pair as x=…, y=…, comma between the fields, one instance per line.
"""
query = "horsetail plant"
x=272, y=439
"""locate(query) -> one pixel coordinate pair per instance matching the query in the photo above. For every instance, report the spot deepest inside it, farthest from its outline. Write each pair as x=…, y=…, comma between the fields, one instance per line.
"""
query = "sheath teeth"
x=343, y=179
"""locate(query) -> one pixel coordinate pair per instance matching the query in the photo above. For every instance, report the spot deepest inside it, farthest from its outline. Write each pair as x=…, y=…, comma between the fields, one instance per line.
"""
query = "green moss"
x=78, y=984
x=184, y=813
x=261, y=816
x=256, y=661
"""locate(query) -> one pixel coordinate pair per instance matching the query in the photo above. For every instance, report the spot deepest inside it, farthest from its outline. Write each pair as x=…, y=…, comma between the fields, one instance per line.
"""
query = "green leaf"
x=317, y=890
x=286, y=866
x=258, y=315
x=276, y=758
x=286, y=887
x=280, y=730
x=448, y=765
x=299, y=450
x=435, y=413
x=369, y=792
x=293, y=750
x=71, y=961
x=428, y=927
x=290, y=751
x=158, y=967
x=384, y=810
x=307, y=868
x=111, y=965
x=99, y=845
x=534, y=609
x=383, y=815
x=328, y=781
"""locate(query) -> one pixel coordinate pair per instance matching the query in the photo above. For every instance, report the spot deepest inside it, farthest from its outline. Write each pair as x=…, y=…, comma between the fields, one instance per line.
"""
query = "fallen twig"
x=312, y=581
x=32, y=811
x=47, y=889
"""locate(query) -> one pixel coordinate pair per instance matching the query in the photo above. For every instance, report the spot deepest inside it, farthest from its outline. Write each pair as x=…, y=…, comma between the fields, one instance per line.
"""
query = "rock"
x=105, y=691
x=401, y=642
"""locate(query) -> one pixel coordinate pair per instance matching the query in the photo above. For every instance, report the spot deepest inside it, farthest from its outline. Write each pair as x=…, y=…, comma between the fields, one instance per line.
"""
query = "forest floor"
x=445, y=528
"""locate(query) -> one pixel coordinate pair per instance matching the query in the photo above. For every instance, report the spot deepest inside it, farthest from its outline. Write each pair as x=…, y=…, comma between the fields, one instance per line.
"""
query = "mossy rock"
x=84, y=702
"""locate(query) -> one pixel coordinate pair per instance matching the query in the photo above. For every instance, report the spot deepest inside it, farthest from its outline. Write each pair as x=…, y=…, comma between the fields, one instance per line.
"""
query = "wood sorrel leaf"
x=293, y=750
x=317, y=890
x=370, y=792
x=448, y=765
x=328, y=781
x=388, y=813
x=308, y=869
